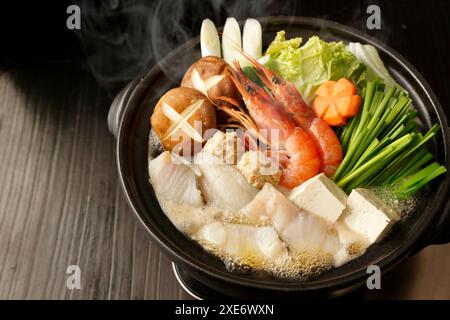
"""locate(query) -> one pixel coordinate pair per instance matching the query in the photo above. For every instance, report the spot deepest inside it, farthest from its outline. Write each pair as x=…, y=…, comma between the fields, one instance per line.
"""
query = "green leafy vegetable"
x=251, y=73
x=383, y=146
x=280, y=44
x=368, y=55
x=312, y=64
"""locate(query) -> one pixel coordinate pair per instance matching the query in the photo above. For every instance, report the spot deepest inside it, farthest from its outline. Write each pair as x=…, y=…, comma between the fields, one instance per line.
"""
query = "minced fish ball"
x=258, y=169
x=227, y=147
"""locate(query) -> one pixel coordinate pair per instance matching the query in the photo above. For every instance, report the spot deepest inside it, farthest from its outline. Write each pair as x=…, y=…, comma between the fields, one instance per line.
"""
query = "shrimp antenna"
x=264, y=74
x=238, y=77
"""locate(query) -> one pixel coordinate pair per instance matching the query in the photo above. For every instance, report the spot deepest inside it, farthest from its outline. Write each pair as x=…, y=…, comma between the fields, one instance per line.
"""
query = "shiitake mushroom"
x=181, y=117
x=207, y=68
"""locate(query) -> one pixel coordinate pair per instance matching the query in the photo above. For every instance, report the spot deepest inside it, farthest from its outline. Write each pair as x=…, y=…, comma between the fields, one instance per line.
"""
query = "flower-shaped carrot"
x=336, y=101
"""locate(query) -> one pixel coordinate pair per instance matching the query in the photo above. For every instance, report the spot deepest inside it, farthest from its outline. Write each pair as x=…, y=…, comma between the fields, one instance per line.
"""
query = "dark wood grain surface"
x=61, y=203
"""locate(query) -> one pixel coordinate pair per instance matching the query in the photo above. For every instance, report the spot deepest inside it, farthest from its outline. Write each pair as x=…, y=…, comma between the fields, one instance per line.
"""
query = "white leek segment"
x=252, y=38
x=231, y=41
x=209, y=39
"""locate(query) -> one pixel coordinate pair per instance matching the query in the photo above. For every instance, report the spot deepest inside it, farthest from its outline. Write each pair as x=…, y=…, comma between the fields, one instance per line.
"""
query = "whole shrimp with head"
x=303, y=160
x=325, y=139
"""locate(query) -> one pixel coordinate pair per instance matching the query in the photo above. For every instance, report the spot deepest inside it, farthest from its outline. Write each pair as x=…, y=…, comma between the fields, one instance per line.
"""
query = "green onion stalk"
x=383, y=145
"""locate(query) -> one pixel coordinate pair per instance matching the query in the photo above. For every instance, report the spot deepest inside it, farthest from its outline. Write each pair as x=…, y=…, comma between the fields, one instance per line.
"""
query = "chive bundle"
x=383, y=146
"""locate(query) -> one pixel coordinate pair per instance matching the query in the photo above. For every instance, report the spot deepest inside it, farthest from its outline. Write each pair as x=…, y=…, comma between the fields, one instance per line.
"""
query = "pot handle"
x=117, y=107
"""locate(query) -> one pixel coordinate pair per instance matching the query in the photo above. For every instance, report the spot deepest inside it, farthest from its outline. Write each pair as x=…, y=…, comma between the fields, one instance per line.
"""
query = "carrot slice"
x=348, y=106
x=332, y=116
x=326, y=89
x=336, y=101
x=343, y=87
x=320, y=105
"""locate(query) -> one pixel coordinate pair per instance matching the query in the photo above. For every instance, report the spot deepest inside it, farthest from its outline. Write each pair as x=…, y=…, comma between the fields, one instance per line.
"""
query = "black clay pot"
x=129, y=122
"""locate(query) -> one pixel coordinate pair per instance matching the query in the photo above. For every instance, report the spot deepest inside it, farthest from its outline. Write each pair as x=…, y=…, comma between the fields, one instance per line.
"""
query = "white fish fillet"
x=244, y=241
x=301, y=230
x=174, y=180
x=348, y=238
x=224, y=186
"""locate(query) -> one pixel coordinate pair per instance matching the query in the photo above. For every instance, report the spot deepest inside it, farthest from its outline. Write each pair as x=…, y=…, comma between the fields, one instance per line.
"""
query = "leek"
x=383, y=146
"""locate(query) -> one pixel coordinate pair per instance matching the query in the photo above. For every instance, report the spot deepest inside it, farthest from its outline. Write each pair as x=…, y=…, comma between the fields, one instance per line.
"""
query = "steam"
x=124, y=38
x=114, y=35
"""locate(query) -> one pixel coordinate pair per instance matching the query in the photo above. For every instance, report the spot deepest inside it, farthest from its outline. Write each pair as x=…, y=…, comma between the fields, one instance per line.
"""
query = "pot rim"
x=384, y=262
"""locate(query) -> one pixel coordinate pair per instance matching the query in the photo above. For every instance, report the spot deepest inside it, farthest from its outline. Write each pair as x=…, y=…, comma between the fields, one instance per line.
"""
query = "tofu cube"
x=320, y=196
x=368, y=215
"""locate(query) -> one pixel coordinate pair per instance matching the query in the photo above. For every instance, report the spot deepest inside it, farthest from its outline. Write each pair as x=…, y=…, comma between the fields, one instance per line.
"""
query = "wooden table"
x=61, y=203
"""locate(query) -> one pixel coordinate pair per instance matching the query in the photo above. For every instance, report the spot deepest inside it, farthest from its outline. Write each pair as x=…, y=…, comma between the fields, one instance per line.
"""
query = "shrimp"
x=304, y=160
x=324, y=137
